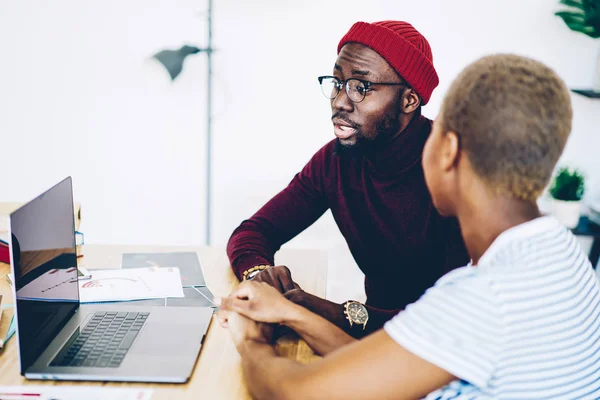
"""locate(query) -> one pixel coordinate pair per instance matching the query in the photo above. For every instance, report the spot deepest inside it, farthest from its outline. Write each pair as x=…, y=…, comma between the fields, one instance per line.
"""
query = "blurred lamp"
x=173, y=60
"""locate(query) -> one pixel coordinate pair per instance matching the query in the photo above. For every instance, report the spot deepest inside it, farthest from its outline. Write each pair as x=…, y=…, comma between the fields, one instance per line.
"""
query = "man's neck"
x=405, y=121
x=482, y=220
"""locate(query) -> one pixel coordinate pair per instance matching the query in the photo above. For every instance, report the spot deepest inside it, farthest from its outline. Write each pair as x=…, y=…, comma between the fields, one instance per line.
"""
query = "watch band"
x=251, y=272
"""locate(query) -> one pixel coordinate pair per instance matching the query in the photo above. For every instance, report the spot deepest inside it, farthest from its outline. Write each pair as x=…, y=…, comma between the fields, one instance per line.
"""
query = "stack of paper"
x=197, y=294
x=131, y=284
x=187, y=262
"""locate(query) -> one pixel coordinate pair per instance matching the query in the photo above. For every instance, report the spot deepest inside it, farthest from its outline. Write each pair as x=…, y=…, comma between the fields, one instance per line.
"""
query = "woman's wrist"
x=295, y=316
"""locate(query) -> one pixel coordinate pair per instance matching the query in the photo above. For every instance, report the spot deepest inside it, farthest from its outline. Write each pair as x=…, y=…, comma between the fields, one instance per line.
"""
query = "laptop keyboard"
x=103, y=342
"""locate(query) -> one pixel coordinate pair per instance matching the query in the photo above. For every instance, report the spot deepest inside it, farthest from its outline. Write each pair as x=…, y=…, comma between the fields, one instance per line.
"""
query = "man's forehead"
x=358, y=59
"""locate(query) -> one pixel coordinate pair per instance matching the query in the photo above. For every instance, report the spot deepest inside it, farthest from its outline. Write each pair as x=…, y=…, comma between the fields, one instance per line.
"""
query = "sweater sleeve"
x=456, y=256
x=287, y=214
x=377, y=319
x=457, y=325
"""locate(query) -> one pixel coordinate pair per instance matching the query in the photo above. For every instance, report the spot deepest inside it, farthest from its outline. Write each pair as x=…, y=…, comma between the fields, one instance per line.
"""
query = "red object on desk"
x=4, y=254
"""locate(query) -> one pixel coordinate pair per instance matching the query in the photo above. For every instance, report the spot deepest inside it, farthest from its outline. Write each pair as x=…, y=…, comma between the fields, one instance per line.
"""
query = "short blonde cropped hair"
x=513, y=116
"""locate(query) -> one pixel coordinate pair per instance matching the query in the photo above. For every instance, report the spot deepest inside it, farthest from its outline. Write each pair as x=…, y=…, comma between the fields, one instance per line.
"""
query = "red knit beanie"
x=403, y=47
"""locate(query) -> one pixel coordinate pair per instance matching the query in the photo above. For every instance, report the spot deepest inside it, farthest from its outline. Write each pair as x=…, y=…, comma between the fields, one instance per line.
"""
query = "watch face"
x=358, y=313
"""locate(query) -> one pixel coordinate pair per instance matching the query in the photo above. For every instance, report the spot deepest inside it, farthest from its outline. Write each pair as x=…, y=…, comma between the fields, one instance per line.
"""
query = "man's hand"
x=260, y=302
x=329, y=310
x=243, y=329
x=279, y=277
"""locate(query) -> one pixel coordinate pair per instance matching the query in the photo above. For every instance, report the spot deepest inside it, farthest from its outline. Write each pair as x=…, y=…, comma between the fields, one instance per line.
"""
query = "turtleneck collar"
x=402, y=152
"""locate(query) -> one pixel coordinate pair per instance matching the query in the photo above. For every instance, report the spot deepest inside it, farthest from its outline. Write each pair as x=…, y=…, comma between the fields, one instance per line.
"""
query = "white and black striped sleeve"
x=457, y=326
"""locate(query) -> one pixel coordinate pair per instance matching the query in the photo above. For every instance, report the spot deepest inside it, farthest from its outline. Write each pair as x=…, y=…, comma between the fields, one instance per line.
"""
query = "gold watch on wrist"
x=356, y=313
x=252, y=272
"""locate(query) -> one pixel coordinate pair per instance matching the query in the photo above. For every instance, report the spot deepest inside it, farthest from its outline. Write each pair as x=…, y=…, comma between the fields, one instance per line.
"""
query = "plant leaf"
x=583, y=17
x=581, y=28
x=573, y=3
x=570, y=15
x=568, y=185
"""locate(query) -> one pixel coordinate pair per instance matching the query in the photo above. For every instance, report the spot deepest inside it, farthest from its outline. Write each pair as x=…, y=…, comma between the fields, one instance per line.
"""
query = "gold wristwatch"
x=356, y=313
x=251, y=272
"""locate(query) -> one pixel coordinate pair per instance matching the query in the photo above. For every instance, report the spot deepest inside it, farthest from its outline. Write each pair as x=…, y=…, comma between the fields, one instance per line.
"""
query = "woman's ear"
x=450, y=150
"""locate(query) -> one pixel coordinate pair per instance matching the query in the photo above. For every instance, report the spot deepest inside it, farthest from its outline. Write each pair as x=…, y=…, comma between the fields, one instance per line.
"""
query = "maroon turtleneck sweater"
x=382, y=207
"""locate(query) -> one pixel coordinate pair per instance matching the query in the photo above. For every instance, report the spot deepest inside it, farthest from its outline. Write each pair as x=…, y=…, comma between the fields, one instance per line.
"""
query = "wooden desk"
x=218, y=373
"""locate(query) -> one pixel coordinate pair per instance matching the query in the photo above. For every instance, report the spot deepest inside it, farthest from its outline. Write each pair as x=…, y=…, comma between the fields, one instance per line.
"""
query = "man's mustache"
x=345, y=119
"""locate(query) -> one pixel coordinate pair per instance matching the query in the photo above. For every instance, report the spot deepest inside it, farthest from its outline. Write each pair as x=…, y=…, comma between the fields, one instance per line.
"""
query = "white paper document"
x=131, y=284
x=73, y=393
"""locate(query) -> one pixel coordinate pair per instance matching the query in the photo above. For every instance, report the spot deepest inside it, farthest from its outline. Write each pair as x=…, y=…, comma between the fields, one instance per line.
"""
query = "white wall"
x=78, y=96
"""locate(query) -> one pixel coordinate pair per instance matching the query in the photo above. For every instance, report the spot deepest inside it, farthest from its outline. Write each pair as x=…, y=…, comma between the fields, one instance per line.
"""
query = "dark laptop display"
x=60, y=339
x=45, y=268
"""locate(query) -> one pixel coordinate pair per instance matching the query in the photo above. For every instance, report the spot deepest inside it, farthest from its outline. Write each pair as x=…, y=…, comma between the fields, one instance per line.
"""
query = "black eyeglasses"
x=356, y=89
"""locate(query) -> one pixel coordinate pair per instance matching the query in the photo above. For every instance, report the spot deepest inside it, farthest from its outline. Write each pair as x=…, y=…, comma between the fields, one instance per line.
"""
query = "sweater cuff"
x=378, y=318
x=248, y=261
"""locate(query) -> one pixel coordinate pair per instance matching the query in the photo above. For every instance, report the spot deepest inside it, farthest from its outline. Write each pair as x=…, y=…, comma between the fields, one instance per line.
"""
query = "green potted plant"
x=568, y=187
x=584, y=16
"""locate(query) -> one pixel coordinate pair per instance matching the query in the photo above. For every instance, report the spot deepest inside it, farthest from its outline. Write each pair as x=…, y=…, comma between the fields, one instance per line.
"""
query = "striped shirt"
x=522, y=324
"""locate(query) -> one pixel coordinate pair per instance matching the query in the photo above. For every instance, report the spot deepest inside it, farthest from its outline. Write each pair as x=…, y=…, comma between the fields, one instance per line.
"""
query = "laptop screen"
x=44, y=264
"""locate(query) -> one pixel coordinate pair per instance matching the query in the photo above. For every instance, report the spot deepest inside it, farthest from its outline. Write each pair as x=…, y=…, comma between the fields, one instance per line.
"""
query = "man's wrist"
x=253, y=271
x=252, y=274
x=356, y=314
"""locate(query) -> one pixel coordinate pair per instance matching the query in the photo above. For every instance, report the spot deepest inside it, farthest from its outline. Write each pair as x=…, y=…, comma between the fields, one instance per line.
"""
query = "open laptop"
x=60, y=339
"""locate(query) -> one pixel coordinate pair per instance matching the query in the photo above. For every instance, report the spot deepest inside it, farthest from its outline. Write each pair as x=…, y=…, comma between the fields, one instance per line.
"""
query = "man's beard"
x=385, y=129
x=356, y=150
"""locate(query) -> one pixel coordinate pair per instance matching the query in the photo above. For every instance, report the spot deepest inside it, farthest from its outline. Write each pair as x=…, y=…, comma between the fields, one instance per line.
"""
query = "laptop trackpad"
x=160, y=339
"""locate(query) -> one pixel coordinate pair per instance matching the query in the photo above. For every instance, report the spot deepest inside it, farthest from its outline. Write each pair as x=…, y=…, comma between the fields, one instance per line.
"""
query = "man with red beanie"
x=370, y=177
